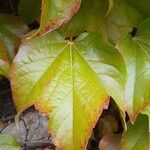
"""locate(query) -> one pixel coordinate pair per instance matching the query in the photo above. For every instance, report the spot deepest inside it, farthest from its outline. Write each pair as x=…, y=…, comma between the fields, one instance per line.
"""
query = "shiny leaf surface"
x=69, y=81
x=55, y=13
x=112, y=18
x=92, y=12
x=120, y=21
x=136, y=53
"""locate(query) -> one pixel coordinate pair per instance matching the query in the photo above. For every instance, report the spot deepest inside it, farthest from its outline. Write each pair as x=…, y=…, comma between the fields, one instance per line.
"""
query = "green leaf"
x=136, y=53
x=55, y=13
x=147, y=112
x=30, y=10
x=137, y=135
x=120, y=21
x=68, y=81
x=141, y=6
x=89, y=18
x=8, y=142
x=112, y=17
x=11, y=30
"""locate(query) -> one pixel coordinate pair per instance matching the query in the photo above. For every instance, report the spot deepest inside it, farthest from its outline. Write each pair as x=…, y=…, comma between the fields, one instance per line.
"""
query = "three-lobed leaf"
x=70, y=81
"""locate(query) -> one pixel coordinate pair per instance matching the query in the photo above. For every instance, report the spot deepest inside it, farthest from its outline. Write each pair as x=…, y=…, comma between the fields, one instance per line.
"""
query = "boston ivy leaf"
x=55, y=13
x=11, y=30
x=69, y=81
x=110, y=142
x=29, y=10
x=120, y=21
x=8, y=143
x=111, y=17
x=137, y=135
x=136, y=53
x=92, y=12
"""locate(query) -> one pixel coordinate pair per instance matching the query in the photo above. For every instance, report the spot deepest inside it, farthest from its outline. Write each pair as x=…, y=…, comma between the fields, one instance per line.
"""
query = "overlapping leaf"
x=69, y=81
x=136, y=53
x=120, y=21
x=137, y=136
x=55, y=13
x=30, y=10
x=89, y=18
x=8, y=143
x=11, y=30
x=112, y=18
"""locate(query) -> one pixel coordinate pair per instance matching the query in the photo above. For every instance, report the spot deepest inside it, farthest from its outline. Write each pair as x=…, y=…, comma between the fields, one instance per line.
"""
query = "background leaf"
x=92, y=12
x=55, y=13
x=11, y=31
x=141, y=6
x=137, y=135
x=30, y=10
x=136, y=55
x=7, y=142
x=120, y=21
x=112, y=18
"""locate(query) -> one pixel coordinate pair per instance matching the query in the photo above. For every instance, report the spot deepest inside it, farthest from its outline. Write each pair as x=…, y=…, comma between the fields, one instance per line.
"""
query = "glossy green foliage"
x=112, y=18
x=88, y=19
x=70, y=79
x=70, y=73
x=120, y=21
x=55, y=13
x=136, y=53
